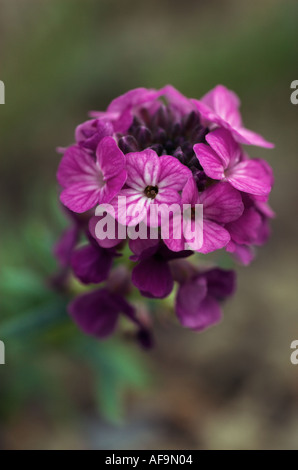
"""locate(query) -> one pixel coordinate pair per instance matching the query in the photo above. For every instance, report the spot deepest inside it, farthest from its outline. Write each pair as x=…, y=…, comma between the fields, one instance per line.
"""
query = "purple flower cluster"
x=158, y=148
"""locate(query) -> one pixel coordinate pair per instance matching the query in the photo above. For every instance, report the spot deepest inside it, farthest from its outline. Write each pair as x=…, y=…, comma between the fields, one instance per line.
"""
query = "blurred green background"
x=232, y=387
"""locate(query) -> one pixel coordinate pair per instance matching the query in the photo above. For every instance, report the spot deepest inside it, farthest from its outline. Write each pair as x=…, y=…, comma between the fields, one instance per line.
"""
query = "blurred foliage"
x=36, y=330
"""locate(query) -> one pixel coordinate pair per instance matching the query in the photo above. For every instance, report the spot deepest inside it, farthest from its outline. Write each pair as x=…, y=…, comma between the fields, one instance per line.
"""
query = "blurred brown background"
x=232, y=387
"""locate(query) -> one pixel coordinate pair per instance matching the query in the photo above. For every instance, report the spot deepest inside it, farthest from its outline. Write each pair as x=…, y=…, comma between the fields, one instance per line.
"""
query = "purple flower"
x=106, y=242
x=250, y=230
x=152, y=275
x=151, y=180
x=120, y=111
x=220, y=107
x=91, y=263
x=142, y=160
x=90, y=133
x=64, y=247
x=87, y=181
x=97, y=313
x=221, y=204
x=223, y=160
x=198, y=298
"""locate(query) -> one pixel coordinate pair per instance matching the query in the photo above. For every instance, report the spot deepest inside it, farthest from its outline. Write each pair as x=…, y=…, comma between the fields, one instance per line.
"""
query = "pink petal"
x=193, y=232
x=245, y=229
x=221, y=203
x=75, y=165
x=142, y=169
x=222, y=142
x=245, y=136
x=215, y=237
x=131, y=210
x=112, y=187
x=177, y=100
x=175, y=241
x=209, y=314
x=188, y=302
x=190, y=192
x=79, y=197
x=107, y=242
x=207, y=114
x=212, y=164
x=133, y=98
x=226, y=104
x=172, y=173
x=250, y=176
x=110, y=158
x=220, y=105
x=242, y=253
x=167, y=196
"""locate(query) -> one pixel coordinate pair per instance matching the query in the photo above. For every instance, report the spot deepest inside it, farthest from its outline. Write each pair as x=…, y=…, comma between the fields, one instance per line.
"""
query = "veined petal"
x=222, y=142
x=76, y=164
x=190, y=193
x=142, y=169
x=226, y=104
x=245, y=136
x=215, y=237
x=110, y=158
x=245, y=230
x=172, y=173
x=80, y=197
x=221, y=203
x=212, y=163
x=251, y=177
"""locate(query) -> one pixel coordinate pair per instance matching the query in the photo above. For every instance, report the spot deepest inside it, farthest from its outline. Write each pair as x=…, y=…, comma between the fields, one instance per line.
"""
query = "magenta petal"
x=76, y=165
x=95, y=313
x=142, y=169
x=221, y=203
x=222, y=142
x=189, y=298
x=91, y=264
x=220, y=103
x=153, y=276
x=226, y=104
x=172, y=173
x=209, y=314
x=138, y=246
x=245, y=230
x=79, y=198
x=194, y=307
x=132, y=98
x=212, y=164
x=190, y=192
x=215, y=237
x=251, y=177
x=110, y=158
x=245, y=136
x=107, y=242
x=244, y=254
x=112, y=187
x=91, y=132
x=66, y=244
x=177, y=101
x=167, y=196
x=221, y=282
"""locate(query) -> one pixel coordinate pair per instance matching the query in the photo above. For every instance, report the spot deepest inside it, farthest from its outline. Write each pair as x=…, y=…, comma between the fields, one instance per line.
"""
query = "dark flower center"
x=166, y=134
x=151, y=191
